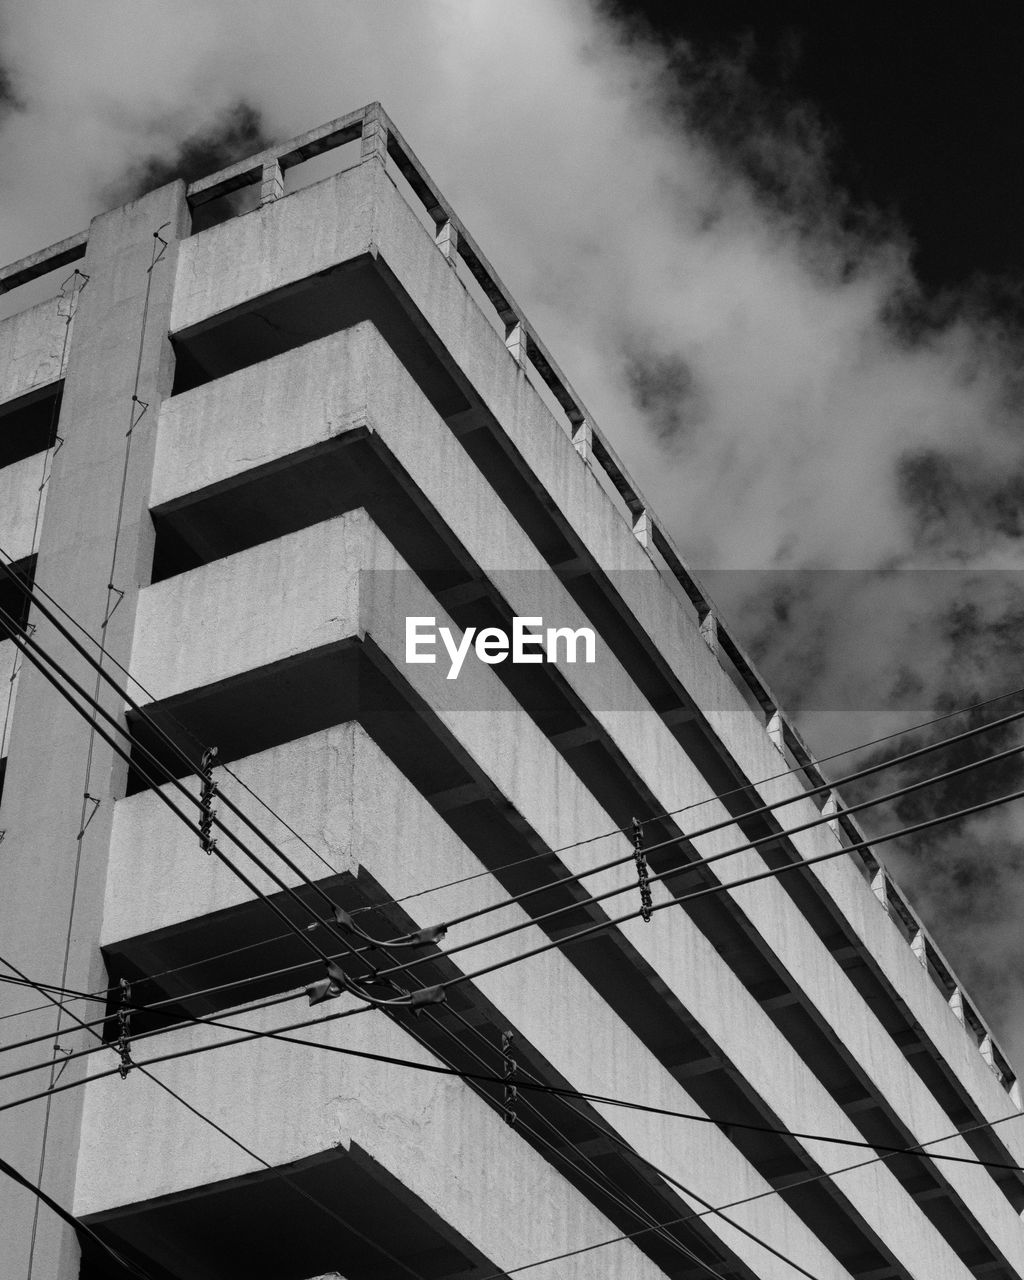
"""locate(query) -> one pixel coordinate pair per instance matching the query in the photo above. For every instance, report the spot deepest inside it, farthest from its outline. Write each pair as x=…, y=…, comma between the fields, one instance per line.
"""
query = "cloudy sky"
x=779, y=254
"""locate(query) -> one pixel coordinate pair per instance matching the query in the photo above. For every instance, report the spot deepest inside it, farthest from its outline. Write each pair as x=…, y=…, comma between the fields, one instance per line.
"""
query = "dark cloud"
x=236, y=133
x=955, y=501
x=664, y=389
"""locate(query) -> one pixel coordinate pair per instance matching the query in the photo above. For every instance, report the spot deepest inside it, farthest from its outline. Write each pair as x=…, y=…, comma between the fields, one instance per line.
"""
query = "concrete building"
x=252, y=427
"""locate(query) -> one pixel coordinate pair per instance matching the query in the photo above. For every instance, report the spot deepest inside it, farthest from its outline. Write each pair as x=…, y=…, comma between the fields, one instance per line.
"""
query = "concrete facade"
x=275, y=439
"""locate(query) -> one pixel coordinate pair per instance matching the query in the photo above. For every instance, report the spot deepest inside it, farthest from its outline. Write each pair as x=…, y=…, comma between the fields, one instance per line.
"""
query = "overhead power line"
x=966, y=709
x=71, y=1220
x=41, y=660
x=628, y=1104
x=574, y=878
x=250, y=1034
x=219, y=988
x=388, y=973
x=400, y=968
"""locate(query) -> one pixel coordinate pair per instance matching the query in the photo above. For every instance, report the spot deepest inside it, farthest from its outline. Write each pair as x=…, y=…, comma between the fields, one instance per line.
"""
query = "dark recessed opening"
x=340, y=1210
x=28, y=424
x=14, y=603
x=309, y=309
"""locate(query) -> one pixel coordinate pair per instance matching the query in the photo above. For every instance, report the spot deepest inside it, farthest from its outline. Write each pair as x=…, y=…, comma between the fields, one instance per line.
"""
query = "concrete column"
x=515, y=340
x=709, y=633
x=51, y=869
x=642, y=527
x=880, y=888
x=374, y=145
x=583, y=440
x=776, y=732
x=448, y=241
x=830, y=810
x=272, y=186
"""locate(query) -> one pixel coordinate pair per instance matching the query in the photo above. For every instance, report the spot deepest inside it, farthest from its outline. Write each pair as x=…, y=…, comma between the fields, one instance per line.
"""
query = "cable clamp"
x=67, y=1058
x=510, y=1068
x=206, y=798
x=111, y=609
x=427, y=995
x=92, y=813
x=124, y=1025
x=642, y=874
x=163, y=247
x=138, y=413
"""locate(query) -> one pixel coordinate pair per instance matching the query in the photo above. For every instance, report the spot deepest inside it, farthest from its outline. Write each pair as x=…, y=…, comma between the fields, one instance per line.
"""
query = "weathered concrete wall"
x=340, y=791
x=540, y=786
x=31, y=343
x=20, y=495
x=431, y=1133
x=9, y=663
x=41, y=880
x=383, y=215
x=360, y=377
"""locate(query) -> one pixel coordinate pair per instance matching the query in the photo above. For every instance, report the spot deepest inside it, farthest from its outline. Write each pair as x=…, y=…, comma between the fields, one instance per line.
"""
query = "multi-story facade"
x=242, y=446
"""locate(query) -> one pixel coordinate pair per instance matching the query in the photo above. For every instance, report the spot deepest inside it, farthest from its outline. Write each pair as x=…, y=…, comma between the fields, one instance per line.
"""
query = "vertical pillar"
x=374, y=143
x=919, y=947
x=642, y=529
x=515, y=340
x=51, y=925
x=447, y=239
x=880, y=888
x=830, y=810
x=583, y=440
x=709, y=632
x=272, y=186
x=776, y=731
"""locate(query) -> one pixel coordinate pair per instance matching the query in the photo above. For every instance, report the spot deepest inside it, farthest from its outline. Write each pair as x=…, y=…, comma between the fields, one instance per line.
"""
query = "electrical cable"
x=524, y=1084
x=388, y=972
x=31, y=648
x=384, y=973
x=612, y=892
x=616, y=831
x=28, y=645
x=821, y=820
x=276, y=1170
x=71, y=1220
x=215, y=1020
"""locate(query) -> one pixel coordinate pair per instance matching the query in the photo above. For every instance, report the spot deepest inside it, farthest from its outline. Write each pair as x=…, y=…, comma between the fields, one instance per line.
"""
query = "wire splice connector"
x=209, y=790
x=642, y=874
x=424, y=937
x=511, y=1092
x=328, y=988
x=124, y=1030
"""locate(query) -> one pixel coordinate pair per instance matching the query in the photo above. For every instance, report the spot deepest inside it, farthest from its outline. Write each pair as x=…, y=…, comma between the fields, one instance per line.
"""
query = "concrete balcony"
x=335, y=608
x=31, y=344
x=348, y=1167
x=342, y=792
x=252, y=421
x=485, y=387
